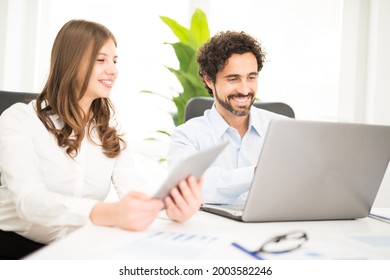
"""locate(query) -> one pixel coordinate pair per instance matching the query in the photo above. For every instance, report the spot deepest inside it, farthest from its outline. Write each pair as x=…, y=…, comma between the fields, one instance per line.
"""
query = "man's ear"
x=208, y=81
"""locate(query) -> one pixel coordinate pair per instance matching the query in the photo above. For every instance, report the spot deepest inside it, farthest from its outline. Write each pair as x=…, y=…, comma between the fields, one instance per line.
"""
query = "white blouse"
x=44, y=193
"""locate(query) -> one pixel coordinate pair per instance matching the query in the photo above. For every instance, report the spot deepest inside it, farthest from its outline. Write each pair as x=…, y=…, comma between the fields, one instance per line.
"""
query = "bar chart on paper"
x=171, y=245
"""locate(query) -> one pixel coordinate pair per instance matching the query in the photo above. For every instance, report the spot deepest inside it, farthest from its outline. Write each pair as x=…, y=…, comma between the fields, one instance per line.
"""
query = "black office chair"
x=8, y=98
x=196, y=106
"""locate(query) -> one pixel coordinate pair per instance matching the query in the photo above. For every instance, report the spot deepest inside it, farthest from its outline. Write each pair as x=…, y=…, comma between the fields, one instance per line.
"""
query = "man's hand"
x=185, y=200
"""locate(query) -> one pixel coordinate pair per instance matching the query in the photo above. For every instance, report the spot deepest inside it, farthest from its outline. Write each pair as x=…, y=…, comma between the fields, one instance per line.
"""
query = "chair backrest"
x=8, y=98
x=196, y=106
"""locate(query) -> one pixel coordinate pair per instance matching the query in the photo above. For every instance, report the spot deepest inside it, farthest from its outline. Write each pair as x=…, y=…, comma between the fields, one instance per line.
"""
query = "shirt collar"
x=254, y=121
x=217, y=122
x=221, y=126
x=54, y=117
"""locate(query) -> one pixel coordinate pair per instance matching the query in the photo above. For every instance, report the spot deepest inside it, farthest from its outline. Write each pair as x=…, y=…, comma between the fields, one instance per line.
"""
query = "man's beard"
x=243, y=110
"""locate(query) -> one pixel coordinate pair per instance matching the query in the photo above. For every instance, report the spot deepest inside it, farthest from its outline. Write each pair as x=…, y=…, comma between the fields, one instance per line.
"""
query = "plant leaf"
x=192, y=86
x=155, y=93
x=199, y=29
x=185, y=54
x=150, y=139
x=180, y=104
x=189, y=82
x=180, y=31
x=164, y=132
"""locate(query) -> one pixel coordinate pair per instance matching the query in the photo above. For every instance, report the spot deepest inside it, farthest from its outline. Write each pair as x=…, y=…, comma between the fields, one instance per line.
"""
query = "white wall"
x=328, y=59
x=18, y=44
x=378, y=79
x=364, y=84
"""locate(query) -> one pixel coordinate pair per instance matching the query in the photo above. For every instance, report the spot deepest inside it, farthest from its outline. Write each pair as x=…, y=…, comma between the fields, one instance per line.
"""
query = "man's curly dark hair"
x=214, y=54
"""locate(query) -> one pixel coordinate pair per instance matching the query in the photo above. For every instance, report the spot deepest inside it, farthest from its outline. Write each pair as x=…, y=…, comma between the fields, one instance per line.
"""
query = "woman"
x=60, y=153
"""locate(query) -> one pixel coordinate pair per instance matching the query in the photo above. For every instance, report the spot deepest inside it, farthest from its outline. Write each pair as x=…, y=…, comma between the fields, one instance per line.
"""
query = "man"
x=229, y=64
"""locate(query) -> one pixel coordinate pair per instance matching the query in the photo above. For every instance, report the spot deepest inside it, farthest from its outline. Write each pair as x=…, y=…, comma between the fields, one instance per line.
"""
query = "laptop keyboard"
x=235, y=207
x=233, y=211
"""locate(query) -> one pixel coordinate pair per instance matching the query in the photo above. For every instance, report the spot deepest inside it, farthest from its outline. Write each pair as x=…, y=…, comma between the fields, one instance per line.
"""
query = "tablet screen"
x=195, y=164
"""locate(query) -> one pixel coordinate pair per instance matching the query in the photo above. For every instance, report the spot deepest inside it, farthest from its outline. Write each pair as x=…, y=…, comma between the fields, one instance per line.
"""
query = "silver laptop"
x=310, y=170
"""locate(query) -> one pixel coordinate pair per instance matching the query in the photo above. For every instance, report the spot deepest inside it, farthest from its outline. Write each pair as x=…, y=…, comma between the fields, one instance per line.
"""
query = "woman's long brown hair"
x=77, y=41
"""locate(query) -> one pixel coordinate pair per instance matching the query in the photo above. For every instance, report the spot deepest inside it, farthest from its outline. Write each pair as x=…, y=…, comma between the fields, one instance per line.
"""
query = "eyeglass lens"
x=284, y=243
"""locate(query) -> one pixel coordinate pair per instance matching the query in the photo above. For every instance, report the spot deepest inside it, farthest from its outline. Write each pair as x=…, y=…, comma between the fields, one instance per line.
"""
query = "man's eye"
x=100, y=59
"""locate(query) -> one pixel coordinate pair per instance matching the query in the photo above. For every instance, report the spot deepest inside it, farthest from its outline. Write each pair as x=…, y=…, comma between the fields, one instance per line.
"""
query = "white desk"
x=349, y=239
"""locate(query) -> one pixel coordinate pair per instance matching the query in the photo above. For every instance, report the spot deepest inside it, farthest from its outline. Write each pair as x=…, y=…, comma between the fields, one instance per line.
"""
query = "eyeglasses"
x=283, y=243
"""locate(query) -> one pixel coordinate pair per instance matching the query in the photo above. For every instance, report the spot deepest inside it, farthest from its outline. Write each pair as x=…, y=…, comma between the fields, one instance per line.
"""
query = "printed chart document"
x=171, y=245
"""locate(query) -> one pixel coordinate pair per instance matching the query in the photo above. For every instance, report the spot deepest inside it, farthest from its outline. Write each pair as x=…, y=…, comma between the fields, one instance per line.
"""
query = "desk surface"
x=207, y=236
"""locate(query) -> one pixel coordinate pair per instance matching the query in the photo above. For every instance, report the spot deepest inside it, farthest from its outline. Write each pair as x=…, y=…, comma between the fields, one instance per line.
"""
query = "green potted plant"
x=190, y=39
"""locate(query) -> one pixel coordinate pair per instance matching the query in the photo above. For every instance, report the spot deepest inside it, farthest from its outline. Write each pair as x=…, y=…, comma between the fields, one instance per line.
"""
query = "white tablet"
x=196, y=164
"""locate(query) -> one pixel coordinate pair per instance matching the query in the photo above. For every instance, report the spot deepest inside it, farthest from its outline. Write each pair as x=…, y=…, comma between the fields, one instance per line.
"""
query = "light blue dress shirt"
x=231, y=174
